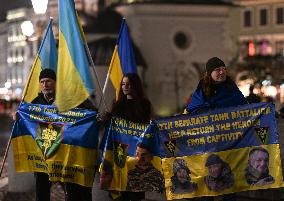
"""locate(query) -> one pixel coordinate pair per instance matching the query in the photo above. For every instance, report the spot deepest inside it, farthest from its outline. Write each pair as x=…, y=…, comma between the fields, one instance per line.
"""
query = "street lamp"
x=27, y=28
x=40, y=6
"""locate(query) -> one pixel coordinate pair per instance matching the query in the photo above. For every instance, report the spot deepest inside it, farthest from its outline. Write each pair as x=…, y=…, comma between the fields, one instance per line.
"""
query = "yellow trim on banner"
x=237, y=160
x=69, y=164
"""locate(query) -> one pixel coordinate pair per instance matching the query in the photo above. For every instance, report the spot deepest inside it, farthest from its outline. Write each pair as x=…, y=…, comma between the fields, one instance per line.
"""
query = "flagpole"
x=105, y=86
x=6, y=154
x=97, y=77
x=106, y=82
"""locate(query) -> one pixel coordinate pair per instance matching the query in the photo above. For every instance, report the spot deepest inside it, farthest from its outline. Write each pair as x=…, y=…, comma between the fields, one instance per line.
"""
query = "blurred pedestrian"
x=252, y=97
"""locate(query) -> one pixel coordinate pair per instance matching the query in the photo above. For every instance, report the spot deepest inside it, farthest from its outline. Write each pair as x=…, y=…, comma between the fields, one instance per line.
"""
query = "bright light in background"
x=266, y=82
x=8, y=85
x=18, y=92
x=251, y=49
x=269, y=91
x=40, y=6
x=27, y=28
x=3, y=90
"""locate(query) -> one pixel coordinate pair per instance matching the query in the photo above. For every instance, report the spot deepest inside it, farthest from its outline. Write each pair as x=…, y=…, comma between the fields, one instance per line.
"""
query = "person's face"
x=143, y=157
x=215, y=170
x=126, y=86
x=47, y=86
x=182, y=175
x=105, y=180
x=219, y=74
x=259, y=160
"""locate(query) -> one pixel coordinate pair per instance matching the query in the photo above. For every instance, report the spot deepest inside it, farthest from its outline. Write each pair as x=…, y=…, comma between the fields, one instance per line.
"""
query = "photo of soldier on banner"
x=130, y=159
x=219, y=152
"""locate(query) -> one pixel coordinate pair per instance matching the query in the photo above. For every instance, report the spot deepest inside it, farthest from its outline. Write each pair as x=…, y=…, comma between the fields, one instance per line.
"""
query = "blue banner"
x=64, y=145
x=218, y=152
x=130, y=162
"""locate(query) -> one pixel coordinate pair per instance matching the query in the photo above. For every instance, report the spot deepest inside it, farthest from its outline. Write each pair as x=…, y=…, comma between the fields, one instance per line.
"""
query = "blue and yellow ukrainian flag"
x=123, y=58
x=74, y=80
x=45, y=58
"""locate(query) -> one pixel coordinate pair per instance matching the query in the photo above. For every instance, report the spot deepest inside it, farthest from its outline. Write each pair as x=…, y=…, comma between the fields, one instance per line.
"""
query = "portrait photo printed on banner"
x=257, y=170
x=144, y=177
x=181, y=180
x=220, y=176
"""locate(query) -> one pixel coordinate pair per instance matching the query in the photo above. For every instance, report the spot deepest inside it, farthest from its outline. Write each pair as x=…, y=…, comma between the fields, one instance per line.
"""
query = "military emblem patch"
x=49, y=137
x=262, y=134
x=120, y=153
x=171, y=146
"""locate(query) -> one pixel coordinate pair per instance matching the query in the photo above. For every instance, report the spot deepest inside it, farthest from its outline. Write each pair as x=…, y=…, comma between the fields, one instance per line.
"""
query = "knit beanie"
x=213, y=159
x=47, y=73
x=213, y=63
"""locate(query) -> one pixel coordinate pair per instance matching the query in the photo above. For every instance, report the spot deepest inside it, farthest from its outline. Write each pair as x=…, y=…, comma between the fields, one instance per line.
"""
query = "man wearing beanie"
x=47, y=80
x=215, y=90
x=219, y=176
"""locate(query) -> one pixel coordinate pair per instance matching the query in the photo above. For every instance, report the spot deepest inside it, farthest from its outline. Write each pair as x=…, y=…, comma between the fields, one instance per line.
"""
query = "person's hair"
x=142, y=112
x=136, y=87
x=258, y=149
x=208, y=85
x=180, y=164
x=144, y=146
x=214, y=159
x=251, y=88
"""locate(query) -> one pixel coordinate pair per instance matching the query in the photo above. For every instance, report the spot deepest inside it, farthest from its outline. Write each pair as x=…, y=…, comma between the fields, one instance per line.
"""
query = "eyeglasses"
x=220, y=69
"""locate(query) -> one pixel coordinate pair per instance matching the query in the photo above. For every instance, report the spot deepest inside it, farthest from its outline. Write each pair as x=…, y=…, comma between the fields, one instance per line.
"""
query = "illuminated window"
x=251, y=49
x=264, y=48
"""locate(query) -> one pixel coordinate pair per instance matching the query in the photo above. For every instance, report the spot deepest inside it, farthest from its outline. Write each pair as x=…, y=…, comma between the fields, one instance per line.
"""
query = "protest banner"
x=64, y=145
x=220, y=151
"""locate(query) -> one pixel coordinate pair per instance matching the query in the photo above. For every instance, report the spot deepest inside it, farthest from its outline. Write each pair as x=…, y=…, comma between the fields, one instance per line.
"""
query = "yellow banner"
x=136, y=175
x=213, y=174
x=70, y=163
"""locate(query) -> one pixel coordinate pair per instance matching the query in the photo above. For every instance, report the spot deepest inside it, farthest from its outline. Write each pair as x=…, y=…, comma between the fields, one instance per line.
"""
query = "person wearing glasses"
x=215, y=90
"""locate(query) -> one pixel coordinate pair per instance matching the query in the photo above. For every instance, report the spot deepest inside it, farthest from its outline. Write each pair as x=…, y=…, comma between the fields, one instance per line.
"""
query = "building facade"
x=176, y=40
x=21, y=49
x=258, y=27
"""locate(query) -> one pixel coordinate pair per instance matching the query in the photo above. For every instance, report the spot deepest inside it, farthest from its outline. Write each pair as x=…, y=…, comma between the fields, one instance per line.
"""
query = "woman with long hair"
x=215, y=90
x=133, y=105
